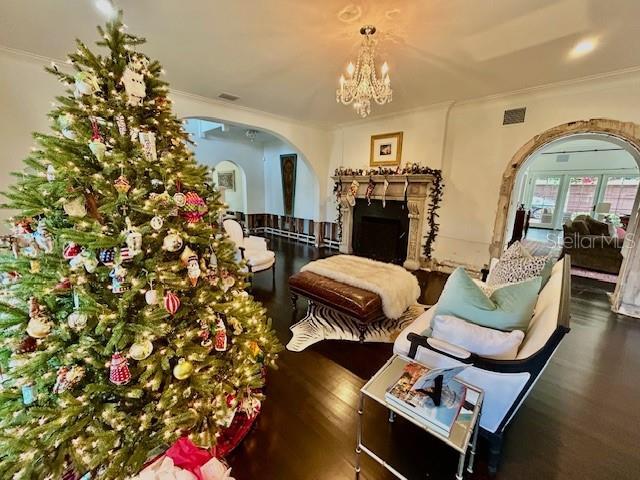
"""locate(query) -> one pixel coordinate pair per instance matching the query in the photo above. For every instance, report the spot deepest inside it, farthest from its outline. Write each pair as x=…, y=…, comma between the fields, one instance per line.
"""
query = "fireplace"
x=392, y=231
x=380, y=232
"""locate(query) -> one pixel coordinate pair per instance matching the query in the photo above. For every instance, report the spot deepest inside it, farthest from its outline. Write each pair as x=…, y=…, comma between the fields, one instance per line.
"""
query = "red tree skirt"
x=231, y=437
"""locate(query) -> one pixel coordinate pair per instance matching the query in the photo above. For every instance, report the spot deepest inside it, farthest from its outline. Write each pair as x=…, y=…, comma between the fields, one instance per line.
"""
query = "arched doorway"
x=626, y=298
x=232, y=181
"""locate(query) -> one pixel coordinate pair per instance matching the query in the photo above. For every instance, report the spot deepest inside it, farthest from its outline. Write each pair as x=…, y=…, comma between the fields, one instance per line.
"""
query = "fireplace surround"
x=418, y=190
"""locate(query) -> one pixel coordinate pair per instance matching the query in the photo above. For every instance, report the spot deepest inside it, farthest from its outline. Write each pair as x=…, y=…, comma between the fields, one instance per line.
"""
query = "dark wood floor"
x=582, y=420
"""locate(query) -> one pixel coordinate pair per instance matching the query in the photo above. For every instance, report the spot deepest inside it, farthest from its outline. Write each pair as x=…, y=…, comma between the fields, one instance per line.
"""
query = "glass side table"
x=464, y=433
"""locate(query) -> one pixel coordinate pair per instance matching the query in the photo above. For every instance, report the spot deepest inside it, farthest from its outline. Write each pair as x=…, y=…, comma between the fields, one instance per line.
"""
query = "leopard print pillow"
x=514, y=270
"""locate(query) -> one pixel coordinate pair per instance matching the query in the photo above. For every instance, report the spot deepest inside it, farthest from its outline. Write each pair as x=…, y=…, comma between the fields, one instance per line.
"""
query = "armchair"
x=252, y=249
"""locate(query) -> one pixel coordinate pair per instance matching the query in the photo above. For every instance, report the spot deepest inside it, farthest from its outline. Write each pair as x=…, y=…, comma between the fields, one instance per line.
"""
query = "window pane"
x=620, y=192
x=581, y=195
x=543, y=203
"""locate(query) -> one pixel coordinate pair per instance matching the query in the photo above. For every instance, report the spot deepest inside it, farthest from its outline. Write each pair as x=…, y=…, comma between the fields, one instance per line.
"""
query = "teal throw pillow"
x=508, y=308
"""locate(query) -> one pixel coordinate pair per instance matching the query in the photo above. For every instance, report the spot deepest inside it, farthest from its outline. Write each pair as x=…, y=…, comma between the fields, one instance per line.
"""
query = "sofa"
x=506, y=383
x=591, y=246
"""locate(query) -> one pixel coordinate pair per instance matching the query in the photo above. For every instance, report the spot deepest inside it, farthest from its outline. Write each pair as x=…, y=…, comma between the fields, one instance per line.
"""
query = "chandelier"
x=363, y=84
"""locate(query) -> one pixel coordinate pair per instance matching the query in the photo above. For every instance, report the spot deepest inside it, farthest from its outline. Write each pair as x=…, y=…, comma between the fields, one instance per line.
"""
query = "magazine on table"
x=413, y=392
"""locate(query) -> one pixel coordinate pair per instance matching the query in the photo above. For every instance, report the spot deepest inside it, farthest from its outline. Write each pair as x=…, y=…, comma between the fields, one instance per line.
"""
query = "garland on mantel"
x=435, y=195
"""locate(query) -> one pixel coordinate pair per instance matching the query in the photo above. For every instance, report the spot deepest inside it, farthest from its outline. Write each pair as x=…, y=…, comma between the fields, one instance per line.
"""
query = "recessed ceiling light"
x=106, y=8
x=583, y=47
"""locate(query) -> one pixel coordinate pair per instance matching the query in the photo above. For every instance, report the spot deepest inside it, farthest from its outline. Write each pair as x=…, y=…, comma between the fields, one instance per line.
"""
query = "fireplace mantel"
x=417, y=192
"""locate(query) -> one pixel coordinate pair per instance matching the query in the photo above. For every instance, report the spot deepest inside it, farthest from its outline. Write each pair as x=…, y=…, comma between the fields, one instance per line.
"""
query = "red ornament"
x=220, y=339
x=194, y=208
x=27, y=345
x=72, y=250
x=119, y=370
x=171, y=302
x=63, y=284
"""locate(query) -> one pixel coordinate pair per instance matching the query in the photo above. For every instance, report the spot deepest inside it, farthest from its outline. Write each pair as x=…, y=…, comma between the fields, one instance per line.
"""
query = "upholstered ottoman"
x=361, y=305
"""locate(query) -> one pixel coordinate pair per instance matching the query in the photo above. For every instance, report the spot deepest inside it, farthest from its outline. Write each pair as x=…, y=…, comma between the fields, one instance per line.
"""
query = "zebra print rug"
x=321, y=323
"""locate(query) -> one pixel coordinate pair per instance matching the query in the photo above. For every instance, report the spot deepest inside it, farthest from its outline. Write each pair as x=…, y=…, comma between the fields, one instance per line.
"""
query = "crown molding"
x=328, y=126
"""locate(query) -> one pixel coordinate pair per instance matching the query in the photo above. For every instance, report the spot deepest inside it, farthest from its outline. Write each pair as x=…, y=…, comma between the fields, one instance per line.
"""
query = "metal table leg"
x=473, y=446
x=359, y=434
x=460, y=473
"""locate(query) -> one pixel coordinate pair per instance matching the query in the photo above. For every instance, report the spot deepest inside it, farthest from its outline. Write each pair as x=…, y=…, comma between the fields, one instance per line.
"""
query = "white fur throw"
x=398, y=289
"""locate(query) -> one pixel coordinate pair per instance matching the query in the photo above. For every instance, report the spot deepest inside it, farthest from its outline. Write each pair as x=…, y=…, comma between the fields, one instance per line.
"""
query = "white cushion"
x=259, y=257
x=482, y=341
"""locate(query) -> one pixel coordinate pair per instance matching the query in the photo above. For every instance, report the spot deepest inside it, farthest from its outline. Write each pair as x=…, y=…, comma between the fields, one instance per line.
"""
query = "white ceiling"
x=284, y=56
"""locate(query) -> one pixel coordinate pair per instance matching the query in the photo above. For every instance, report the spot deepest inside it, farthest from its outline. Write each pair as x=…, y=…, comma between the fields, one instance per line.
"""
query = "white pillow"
x=482, y=341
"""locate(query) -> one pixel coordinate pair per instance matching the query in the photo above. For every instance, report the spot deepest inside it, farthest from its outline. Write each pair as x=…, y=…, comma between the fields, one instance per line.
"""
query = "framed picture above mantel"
x=386, y=149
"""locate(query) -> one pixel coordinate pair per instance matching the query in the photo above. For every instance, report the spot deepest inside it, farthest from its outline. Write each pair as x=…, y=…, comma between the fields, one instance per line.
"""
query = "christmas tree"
x=124, y=323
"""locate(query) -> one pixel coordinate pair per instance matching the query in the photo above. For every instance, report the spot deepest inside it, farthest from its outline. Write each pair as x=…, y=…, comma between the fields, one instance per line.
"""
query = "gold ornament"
x=141, y=350
x=183, y=369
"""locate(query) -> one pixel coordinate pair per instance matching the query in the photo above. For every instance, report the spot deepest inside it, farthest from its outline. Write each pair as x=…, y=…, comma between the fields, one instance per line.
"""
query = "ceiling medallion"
x=363, y=84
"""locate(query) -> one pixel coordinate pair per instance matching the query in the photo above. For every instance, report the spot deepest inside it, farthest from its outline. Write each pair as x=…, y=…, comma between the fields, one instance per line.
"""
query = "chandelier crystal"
x=362, y=84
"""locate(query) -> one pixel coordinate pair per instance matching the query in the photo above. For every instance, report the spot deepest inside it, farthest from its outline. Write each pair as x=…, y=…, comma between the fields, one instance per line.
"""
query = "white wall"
x=306, y=196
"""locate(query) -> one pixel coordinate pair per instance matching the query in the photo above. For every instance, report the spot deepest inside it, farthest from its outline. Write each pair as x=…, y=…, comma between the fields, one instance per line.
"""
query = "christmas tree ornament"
x=133, y=134
x=148, y=144
x=85, y=84
x=186, y=255
x=151, y=295
x=172, y=242
x=254, y=348
x=64, y=124
x=71, y=250
x=35, y=266
x=171, y=302
x=118, y=279
x=220, y=337
x=121, y=184
x=183, y=369
x=213, y=259
x=43, y=238
x=125, y=255
x=141, y=350
x=107, y=256
x=51, y=173
x=75, y=207
x=63, y=284
x=9, y=278
x=179, y=199
x=204, y=333
x=156, y=223
x=133, y=81
x=27, y=345
x=77, y=320
x=133, y=238
x=85, y=259
x=96, y=145
x=28, y=393
x=121, y=124
x=235, y=323
x=194, y=207
x=39, y=325
x=119, y=373
x=68, y=378
x=227, y=280
x=193, y=271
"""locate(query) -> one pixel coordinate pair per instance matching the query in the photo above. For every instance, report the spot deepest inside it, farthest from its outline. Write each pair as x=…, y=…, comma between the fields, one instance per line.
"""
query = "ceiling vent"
x=228, y=96
x=562, y=158
x=515, y=115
